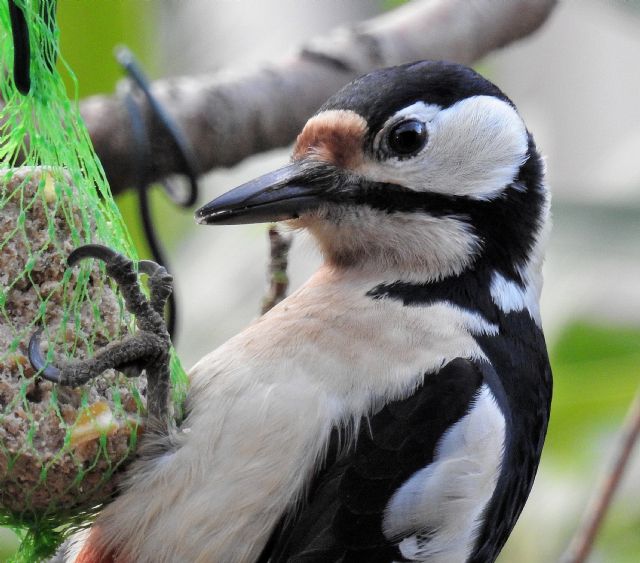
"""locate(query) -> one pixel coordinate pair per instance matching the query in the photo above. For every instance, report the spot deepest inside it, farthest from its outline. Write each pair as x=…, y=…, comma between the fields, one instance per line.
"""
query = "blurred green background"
x=591, y=305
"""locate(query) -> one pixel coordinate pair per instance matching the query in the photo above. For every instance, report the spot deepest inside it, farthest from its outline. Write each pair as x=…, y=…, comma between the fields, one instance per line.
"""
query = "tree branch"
x=279, y=245
x=229, y=116
x=583, y=540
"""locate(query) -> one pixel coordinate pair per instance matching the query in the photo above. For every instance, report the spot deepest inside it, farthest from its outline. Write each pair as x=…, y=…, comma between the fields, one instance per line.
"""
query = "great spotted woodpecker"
x=394, y=408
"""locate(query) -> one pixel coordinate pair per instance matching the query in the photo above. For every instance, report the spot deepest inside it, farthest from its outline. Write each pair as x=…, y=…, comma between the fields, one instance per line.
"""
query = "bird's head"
x=425, y=168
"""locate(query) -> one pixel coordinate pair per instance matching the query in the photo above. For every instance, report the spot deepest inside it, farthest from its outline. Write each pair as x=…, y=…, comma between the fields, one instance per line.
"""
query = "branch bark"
x=584, y=538
x=228, y=116
x=279, y=245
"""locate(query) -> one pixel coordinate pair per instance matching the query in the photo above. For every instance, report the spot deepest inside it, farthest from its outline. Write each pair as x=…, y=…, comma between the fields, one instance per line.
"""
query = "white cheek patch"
x=433, y=247
x=475, y=149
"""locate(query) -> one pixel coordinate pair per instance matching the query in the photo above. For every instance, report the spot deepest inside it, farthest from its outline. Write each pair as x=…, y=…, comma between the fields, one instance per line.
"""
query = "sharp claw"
x=149, y=267
x=156, y=271
x=98, y=251
x=49, y=372
x=130, y=371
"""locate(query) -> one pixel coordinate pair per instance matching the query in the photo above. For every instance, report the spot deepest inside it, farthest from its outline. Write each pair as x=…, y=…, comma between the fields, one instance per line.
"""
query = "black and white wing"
x=412, y=487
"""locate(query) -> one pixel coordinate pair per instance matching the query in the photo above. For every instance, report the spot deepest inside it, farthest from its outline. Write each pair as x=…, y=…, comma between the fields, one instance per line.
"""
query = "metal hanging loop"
x=142, y=158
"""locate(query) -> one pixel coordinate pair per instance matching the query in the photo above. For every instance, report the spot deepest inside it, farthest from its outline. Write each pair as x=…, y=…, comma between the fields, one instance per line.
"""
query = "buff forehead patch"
x=333, y=136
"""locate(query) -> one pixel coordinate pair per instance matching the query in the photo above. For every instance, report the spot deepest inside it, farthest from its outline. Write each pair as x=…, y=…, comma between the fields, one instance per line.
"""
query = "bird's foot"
x=147, y=349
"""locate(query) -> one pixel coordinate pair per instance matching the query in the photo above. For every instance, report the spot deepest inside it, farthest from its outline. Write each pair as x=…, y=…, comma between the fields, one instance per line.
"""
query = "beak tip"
x=207, y=214
x=200, y=216
x=218, y=215
x=204, y=216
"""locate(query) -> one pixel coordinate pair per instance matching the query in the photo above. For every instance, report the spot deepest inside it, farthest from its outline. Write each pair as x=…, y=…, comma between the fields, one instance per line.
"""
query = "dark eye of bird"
x=407, y=138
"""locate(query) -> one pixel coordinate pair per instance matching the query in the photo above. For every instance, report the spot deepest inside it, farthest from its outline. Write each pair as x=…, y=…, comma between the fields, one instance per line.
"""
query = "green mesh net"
x=61, y=449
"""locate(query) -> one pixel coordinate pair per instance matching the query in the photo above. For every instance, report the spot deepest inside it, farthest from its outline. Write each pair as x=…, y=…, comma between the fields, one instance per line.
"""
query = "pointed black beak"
x=283, y=194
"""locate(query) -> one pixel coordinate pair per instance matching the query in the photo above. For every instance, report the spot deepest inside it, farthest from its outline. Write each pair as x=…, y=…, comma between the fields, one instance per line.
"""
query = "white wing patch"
x=430, y=247
x=440, y=505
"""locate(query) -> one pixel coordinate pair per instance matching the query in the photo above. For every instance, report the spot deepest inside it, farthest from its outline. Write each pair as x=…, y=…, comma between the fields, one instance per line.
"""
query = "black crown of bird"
x=394, y=407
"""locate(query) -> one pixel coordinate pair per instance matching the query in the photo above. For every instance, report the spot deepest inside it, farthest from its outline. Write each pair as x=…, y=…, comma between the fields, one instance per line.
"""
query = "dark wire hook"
x=143, y=157
x=189, y=164
x=21, y=48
